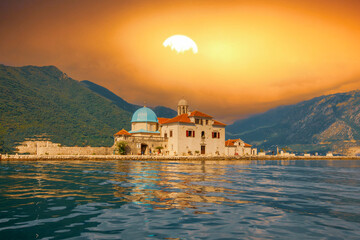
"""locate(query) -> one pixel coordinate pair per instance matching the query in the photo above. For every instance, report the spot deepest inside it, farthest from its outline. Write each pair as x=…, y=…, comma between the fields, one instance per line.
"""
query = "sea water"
x=180, y=199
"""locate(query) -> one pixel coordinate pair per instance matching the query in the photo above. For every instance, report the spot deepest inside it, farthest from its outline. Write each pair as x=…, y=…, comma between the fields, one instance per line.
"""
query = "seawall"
x=159, y=158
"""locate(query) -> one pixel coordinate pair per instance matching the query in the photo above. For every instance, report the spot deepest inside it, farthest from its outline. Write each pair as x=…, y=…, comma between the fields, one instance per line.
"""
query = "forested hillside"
x=324, y=123
x=45, y=101
x=159, y=110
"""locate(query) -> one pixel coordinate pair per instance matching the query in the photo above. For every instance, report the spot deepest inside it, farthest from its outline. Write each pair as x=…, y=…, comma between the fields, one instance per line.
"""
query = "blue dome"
x=144, y=115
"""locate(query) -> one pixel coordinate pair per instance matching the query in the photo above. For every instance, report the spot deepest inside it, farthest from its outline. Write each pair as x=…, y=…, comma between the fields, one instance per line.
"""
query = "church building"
x=189, y=133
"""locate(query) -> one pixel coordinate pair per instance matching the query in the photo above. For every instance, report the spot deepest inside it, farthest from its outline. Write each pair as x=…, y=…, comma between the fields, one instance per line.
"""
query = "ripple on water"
x=180, y=200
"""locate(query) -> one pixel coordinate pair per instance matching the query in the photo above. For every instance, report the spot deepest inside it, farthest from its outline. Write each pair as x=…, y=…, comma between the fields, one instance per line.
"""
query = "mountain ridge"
x=160, y=111
x=46, y=101
x=318, y=124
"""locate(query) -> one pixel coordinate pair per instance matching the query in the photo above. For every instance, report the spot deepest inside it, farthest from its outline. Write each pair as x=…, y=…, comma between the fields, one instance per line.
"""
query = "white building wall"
x=213, y=146
x=186, y=144
x=247, y=151
x=240, y=150
x=230, y=151
x=172, y=142
x=180, y=144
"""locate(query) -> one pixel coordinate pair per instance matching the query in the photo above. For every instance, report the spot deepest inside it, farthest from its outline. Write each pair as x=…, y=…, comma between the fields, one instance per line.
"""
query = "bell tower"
x=183, y=107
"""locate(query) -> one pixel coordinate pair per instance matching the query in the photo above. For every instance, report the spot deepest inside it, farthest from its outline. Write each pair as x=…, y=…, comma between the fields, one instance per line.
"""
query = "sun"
x=181, y=43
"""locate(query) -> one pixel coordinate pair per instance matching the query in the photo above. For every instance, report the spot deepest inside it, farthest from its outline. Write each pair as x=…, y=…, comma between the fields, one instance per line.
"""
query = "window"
x=165, y=135
x=197, y=121
x=202, y=134
x=215, y=135
x=190, y=133
x=171, y=133
x=206, y=122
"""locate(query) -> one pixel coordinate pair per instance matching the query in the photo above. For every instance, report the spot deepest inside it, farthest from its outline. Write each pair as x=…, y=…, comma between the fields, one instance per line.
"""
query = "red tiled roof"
x=230, y=142
x=122, y=132
x=199, y=114
x=219, y=123
x=184, y=118
x=163, y=120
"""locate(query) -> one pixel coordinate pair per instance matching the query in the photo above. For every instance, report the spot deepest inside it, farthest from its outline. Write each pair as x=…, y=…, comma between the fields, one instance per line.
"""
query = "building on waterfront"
x=235, y=147
x=144, y=137
x=189, y=133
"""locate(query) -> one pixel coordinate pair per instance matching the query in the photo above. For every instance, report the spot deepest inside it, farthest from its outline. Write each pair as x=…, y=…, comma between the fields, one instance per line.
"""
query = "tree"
x=121, y=147
x=159, y=148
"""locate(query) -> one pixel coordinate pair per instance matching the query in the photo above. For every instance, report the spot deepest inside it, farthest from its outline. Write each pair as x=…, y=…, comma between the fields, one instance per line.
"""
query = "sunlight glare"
x=181, y=43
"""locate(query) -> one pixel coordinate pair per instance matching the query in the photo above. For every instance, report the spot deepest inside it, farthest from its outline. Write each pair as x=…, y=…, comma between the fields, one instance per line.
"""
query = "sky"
x=252, y=55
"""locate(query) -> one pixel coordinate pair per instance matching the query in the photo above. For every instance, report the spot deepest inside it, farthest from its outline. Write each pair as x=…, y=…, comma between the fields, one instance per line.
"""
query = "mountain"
x=164, y=112
x=326, y=123
x=118, y=101
x=159, y=110
x=45, y=101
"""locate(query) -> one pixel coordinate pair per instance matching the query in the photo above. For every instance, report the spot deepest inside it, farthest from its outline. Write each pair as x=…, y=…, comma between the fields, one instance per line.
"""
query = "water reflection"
x=44, y=180
x=167, y=185
x=163, y=184
x=142, y=198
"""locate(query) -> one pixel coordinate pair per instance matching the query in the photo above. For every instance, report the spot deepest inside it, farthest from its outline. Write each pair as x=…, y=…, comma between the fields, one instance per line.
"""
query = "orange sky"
x=253, y=55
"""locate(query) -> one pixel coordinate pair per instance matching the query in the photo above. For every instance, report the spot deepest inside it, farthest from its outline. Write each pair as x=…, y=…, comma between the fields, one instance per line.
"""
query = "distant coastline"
x=165, y=158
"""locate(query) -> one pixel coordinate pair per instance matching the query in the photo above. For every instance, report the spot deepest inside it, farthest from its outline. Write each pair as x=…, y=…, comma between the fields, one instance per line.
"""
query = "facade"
x=235, y=147
x=194, y=133
x=144, y=137
x=189, y=133
x=140, y=143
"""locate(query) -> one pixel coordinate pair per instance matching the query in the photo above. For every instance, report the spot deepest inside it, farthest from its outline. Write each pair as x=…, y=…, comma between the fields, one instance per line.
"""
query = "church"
x=189, y=133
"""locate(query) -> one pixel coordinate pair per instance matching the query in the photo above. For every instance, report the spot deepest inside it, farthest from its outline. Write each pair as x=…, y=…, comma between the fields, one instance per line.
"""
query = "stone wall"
x=134, y=144
x=50, y=148
x=17, y=157
x=75, y=151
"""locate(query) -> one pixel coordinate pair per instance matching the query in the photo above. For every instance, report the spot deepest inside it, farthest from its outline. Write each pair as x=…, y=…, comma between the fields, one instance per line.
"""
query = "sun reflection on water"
x=167, y=186
x=142, y=197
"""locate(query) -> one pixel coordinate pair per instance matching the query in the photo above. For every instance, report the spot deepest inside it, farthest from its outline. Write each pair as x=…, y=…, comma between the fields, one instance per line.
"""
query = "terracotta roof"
x=162, y=120
x=122, y=132
x=230, y=142
x=199, y=114
x=219, y=123
x=184, y=118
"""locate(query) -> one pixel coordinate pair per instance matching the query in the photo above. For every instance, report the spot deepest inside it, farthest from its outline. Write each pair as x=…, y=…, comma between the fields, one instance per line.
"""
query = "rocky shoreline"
x=175, y=158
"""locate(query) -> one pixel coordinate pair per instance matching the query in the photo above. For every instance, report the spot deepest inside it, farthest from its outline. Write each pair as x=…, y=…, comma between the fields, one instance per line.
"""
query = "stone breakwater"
x=175, y=158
